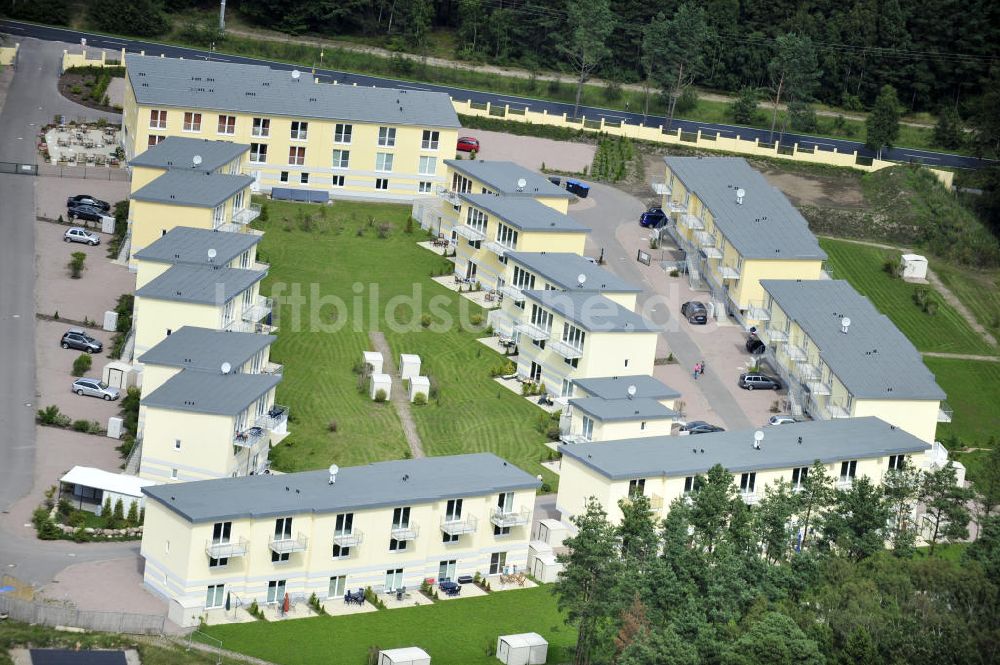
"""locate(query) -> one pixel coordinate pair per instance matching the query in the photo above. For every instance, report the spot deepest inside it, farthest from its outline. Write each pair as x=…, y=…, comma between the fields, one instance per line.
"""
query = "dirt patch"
x=842, y=192
x=88, y=90
x=533, y=152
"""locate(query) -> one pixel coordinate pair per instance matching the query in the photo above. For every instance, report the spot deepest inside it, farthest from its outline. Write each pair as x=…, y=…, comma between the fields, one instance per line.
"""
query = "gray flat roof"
x=780, y=233
x=563, y=269
x=377, y=485
x=188, y=188
x=178, y=152
x=256, y=89
x=200, y=284
x=504, y=176
x=210, y=392
x=616, y=387
x=874, y=359
x=187, y=245
x=825, y=440
x=639, y=408
x=591, y=311
x=205, y=349
x=525, y=214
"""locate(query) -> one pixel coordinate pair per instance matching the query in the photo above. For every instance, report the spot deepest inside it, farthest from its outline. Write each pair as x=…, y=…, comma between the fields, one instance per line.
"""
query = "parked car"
x=700, y=427
x=95, y=388
x=87, y=213
x=468, y=144
x=74, y=338
x=755, y=346
x=76, y=234
x=695, y=312
x=781, y=419
x=578, y=188
x=758, y=381
x=653, y=218
x=87, y=200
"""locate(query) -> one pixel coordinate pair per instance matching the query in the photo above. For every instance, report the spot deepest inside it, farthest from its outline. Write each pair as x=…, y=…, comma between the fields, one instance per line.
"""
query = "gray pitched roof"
x=382, y=484
x=639, y=408
x=210, y=392
x=616, y=387
x=184, y=244
x=784, y=234
x=255, y=89
x=591, y=311
x=200, y=285
x=525, y=214
x=672, y=456
x=205, y=349
x=503, y=177
x=178, y=152
x=874, y=359
x=187, y=188
x=563, y=268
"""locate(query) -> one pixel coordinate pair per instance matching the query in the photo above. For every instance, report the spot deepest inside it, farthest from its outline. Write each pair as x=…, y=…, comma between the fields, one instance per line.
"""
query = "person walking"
x=701, y=367
x=697, y=370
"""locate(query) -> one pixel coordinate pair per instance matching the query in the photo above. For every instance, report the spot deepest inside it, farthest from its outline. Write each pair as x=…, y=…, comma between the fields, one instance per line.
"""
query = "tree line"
x=799, y=577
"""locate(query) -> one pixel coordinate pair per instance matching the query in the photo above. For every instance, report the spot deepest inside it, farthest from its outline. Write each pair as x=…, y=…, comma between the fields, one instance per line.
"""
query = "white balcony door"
x=216, y=596
x=505, y=502
x=588, y=427
x=446, y=570
x=393, y=579
x=453, y=511
x=238, y=202
x=275, y=591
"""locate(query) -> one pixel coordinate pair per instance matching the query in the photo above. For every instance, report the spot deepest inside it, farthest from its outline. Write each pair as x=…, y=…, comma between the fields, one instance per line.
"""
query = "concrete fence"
x=8, y=54
x=53, y=615
x=97, y=58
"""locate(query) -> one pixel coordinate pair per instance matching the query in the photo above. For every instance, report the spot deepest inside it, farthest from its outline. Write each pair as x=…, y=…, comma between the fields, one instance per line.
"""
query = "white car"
x=781, y=420
x=76, y=234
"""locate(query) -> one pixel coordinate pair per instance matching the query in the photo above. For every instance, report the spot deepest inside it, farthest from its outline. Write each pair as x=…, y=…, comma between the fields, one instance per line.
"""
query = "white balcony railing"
x=705, y=239
x=231, y=227
x=459, y=526
x=498, y=248
x=249, y=438
x=694, y=223
x=729, y=272
x=404, y=531
x=574, y=438
x=259, y=309
x=288, y=545
x=236, y=325
x=351, y=538
x=469, y=232
x=757, y=312
x=837, y=411
x=749, y=497
x=676, y=206
x=775, y=335
x=567, y=351
x=819, y=387
x=247, y=214
x=512, y=292
x=276, y=419
x=712, y=252
x=508, y=518
x=844, y=482
x=227, y=550
x=273, y=368
x=449, y=196
x=795, y=353
x=531, y=331
x=944, y=412
x=807, y=371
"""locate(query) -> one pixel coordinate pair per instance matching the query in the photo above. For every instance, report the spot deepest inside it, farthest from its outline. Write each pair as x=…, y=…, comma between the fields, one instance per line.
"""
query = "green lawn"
x=973, y=387
x=979, y=290
x=453, y=632
x=471, y=412
x=946, y=331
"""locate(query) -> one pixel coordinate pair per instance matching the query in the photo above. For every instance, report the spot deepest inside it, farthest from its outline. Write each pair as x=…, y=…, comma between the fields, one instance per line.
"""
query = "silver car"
x=95, y=388
x=76, y=234
x=781, y=419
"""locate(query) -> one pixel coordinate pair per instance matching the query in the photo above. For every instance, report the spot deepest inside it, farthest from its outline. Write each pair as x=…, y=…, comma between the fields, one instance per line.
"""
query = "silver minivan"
x=95, y=388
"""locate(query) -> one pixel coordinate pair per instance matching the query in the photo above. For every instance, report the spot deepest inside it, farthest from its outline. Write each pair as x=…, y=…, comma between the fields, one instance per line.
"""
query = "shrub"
x=77, y=518
x=44, y=526
x=133, y=514
x=332, y=426
x=51, y=415
x=476, y=319
x=75, y=264
x=426, y=320
x=380, y=395
x=613, y=91
x=409, y=225
x=420, y=399
x=687, y=102
x=81, y=425
x=744, y=108
x=81, y=535
x=82, y=364
x=383, y=230
x=65, y=507
x=255, y=611
x=264, y=213
x=892, y=266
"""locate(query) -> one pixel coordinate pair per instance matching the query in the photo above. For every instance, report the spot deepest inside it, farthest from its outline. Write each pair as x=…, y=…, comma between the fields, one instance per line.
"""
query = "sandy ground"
x=532, y=152
x=818, y=190
x=87, y=585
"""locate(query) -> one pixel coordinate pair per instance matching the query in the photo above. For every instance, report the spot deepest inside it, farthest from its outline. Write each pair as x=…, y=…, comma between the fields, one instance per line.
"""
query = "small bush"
x=383, y=230
x=44, y=526
x=76, y=264
x=476, y=319
x=332, y=426
x=420, y=399
x=77, y=518
x=133, y=514
x=51, y=415
x=380, y=395
x=255, y=611
x=426, y=320
x=409, y=225
x=82, y=364
x=81, y=425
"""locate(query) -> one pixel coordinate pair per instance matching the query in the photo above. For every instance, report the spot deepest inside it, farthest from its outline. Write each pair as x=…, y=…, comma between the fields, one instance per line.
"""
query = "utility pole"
x=222, y=16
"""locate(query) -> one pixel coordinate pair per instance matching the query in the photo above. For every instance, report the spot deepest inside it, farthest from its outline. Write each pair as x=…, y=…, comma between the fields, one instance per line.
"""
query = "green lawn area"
x=973, y=387
x=946, y=331
x=453, y=632
x=979, y=290
x=325, y=258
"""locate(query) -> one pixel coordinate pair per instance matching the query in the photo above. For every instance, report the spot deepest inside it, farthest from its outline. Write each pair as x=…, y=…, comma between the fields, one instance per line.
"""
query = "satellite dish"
x=845, y=324
x=197, y=160
x=212, y=254
x=296, y=74
x=226, y=368
x=740, y=193
x=521, y=183
x=580, y=279
x=758, y=436
x=632, y=390
x=334, y=469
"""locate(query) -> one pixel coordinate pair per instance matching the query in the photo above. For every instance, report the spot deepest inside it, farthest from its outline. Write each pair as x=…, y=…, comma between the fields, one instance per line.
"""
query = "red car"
x=468, y=144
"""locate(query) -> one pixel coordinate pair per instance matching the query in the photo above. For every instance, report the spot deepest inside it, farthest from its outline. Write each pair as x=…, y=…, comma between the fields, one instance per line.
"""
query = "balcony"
x=775, y=335
x=512, y=292
x=676, y=206
x=712, y=252
x=844, y=483
x=351, y=538
x=227, y=550
x=498, y=248
x=288, y=545
x=236, y=325
x=508, y=518
x=404, y=531
x=238, y=228
x=728, y=272
x=795, y=353
x=260, y=266
x=574, y=438
x=531, y=331
x=807, y=371
x=246, y=215
x=258, y=310
x=469, y=232
x=250, y=437
x=459, y=525
x=273, y=368
x=275, y=420
x=757, y=312
x=661, y=189
x=749, y=497
x=837, y=411
x=449, y=196
x=818, y=387
x=945, y=412
x=937, y=456
x=694, y=223
x=566, y=350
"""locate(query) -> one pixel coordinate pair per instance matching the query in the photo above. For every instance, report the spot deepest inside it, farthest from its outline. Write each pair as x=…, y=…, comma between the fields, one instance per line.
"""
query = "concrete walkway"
x=399, y=398
x=960, y=356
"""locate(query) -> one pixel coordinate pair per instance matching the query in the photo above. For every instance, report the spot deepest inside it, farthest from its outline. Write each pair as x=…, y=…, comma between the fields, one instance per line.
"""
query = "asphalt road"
x=929, y=157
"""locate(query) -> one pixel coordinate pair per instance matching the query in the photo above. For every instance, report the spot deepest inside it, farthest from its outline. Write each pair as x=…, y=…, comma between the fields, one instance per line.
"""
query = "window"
x=173, y=474
x=157, y=119
x=261, y=127
x=588, y=427
x=192, y=122
x=847, y=470
x=747, y=482
x=535, y=372
x=381, y=183
x=541, y=319
x=341, y=159
x=344, y=526
x=338, y=181
x=397, y=545
x=304, y=178
x=476, y=218
x=177, y=444
x=282, y=531
x=505, y=504
x=258, y=153
x=799, y=476
x=300, y=130
x=393, y=579
x=275, y=591
x=430, y=140
x=383, y=161
x=567, y=388
x=218, y=215
x=642, y=425
x=342, y=133
x=460, y=184
x=897, y=462
x=283, y=176
x=154, y=140
x=338, y=586
x=428, y=165
x=506, y=236
x=387, y=137
x=689, y=484
x=573, y=336
x=216, y=596
x=449, y=538
x=227, y=124
x=297, y=155
x=221, y=532
x=424, y=187
x=636, y=487
x=446, y=569
x=498, y=560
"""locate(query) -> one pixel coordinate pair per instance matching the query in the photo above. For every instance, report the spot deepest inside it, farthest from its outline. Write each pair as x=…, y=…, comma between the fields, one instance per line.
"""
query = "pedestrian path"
x=399, y=397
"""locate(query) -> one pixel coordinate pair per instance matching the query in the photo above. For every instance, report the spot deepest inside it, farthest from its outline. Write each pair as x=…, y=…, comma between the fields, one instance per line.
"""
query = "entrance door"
x=470, y=270
x=536, y=372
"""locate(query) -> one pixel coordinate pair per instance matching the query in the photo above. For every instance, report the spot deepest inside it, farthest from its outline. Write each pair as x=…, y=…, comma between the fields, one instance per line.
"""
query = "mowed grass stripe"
x=973, y=387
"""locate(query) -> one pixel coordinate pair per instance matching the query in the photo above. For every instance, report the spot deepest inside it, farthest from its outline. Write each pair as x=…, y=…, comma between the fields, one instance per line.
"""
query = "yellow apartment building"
x=183, y=153
x=664, y=468
x=841, y=358
x=736, y=229
x=608, y=408
x=491, y=226
x=203, y=425
x=386, y=525
x=563, y=336
x=338, y=141
x=184, y=245
x=220, y=298
x=484, y=177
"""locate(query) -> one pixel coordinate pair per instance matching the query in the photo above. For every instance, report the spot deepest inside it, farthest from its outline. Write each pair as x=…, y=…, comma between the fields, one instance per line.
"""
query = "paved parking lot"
x=51, y=193
x=532, y=152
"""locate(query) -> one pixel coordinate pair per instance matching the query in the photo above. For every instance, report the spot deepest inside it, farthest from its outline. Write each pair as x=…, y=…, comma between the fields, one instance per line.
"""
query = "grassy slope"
x=454, y=632
x=472, y=413
x=946, y=331
x=978, y=290
x=972, y=388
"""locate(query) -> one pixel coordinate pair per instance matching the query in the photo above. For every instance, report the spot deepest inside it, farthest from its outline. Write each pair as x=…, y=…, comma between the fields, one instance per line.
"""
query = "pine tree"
x=883, y=122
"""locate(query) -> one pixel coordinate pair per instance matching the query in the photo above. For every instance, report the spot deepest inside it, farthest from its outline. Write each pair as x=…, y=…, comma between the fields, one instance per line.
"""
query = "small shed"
x=522, y=649
x=90, y=487
x=381, y=382
x=418, y=385
x=409, y=365
x=373, y=358
x=551, y=532
x=913, y=266
x=542, y=562
x=404, y=656
x=119, y=375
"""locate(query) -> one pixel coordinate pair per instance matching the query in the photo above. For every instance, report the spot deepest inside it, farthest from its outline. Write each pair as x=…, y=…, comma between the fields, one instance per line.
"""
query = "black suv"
x=758, y=381
x=695, y=312
x=87, y=213
x=87, y=200
x=77, y=339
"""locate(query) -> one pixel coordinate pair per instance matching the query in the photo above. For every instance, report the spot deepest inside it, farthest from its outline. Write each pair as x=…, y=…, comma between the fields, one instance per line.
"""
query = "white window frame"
x=382, y=184
x=337, y=586
x=342, y=133
x=383, y=162
x=299, y=130
x=387, y=137
x=215, y=596
x=157, y=119
x=337, y=181
x=427, y=166
x=276, y=591
x=298, y=154
x=261, y=128
x=425, y=187
x=230, y=128
x=341, y=159
x=257, y=155
x=430, y=139
x=192, y=122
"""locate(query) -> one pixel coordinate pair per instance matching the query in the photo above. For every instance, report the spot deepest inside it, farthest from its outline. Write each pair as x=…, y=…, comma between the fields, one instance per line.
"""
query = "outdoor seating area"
x=485, y=298
x=440, y=245
x=514, y=384
x=502, y=344
x=82, y=145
